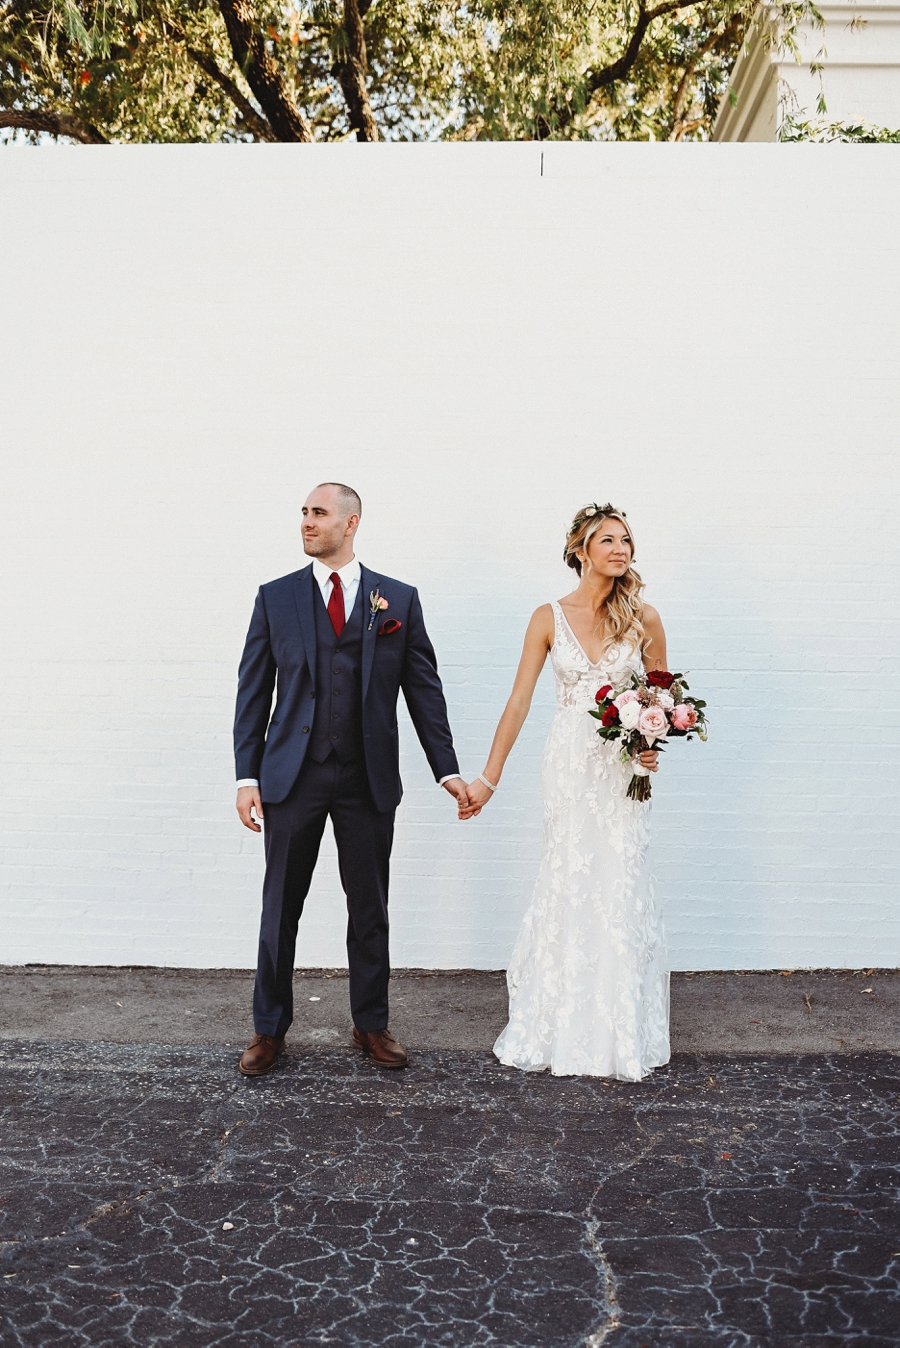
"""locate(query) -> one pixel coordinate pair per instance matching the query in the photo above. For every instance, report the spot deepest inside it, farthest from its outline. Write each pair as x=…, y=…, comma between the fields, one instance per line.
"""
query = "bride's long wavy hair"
x=624, y=617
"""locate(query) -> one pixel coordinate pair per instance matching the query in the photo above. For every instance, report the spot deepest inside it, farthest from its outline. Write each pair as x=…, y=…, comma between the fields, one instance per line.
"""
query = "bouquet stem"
x=639, y=788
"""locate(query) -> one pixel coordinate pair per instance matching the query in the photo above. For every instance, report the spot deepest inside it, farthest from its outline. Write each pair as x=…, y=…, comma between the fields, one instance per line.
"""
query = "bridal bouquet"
x=645, y=711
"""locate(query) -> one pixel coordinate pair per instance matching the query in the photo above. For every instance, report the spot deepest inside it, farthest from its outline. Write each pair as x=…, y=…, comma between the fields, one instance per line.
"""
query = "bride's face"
x=609, y=550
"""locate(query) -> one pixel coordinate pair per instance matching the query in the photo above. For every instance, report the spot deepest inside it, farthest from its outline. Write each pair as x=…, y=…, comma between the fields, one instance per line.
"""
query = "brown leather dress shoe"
x=381, y=1047
x=260, y=1055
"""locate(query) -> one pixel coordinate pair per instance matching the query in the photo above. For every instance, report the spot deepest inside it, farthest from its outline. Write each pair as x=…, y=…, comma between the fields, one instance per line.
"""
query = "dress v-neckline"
x=594, y=664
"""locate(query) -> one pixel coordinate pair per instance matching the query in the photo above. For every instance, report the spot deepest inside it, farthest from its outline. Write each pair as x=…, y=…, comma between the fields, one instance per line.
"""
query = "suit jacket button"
x=306, y=730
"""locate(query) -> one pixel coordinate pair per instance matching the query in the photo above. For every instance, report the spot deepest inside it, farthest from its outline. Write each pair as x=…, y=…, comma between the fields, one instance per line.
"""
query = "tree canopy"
x=271, y=70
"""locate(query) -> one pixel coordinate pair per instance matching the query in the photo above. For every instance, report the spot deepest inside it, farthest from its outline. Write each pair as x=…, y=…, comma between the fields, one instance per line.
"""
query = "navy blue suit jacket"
x=280, y=652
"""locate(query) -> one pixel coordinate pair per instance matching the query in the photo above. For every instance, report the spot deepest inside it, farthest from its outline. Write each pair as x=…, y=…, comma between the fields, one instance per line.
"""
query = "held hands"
x=462, y=794
x=457, y=788
x=249, y=799
x=479, y=795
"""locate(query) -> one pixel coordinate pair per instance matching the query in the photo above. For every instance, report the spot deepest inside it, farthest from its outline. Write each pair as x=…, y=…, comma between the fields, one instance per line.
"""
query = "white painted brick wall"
x=195, y=336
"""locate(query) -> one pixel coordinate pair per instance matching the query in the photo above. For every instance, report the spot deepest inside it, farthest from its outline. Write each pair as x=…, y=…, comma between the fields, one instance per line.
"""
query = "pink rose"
x=624, y=698
x=653, y=724
x=684, y=717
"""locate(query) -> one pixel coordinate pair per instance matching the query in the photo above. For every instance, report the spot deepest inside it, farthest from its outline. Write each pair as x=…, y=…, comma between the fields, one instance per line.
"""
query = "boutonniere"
x=376, y=605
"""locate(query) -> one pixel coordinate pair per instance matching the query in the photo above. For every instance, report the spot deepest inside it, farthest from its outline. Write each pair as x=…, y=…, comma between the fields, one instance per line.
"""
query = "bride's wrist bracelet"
x=490, y=785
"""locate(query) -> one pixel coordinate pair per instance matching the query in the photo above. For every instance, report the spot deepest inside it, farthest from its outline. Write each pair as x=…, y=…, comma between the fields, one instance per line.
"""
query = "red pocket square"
x=389, y=627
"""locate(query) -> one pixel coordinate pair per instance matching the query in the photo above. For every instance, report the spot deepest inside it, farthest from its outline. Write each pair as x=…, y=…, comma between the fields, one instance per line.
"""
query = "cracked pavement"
x=152, y=1196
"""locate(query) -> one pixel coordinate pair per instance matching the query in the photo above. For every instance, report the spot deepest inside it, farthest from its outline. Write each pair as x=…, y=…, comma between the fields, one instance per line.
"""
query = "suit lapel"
x=368, y=581
x=304, y=596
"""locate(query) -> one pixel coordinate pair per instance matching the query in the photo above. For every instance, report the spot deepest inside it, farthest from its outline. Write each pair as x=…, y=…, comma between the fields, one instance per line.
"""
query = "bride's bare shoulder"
x=544, y=611
x=541, y=623
x=651, y=618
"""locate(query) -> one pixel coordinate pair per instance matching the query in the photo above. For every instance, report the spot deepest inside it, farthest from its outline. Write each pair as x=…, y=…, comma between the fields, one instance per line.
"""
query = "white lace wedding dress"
x=588, y=981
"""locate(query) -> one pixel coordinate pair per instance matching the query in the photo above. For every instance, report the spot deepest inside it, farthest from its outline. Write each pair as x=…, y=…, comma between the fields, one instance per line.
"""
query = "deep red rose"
x=604, y=692
x=389, y=627
x=610, y=716
x=660, y=678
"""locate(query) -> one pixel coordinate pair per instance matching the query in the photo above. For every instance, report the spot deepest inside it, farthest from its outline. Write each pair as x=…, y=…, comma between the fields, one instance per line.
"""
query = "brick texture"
x=709, y=339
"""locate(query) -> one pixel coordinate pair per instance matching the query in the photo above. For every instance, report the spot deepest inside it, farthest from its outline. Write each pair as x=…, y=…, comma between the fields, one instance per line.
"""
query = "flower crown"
x=589, y=511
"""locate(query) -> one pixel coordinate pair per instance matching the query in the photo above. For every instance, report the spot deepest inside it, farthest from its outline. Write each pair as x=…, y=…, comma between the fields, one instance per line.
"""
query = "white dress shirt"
x=349, y=575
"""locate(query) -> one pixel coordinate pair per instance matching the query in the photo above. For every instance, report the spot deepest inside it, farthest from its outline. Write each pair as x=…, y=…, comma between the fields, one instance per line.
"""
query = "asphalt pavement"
x=149, y=1195
x=785, y=1011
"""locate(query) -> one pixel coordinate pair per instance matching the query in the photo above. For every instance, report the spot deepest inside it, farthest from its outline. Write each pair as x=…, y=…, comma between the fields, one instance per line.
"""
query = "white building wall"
x=195, y=336
x=852, y=61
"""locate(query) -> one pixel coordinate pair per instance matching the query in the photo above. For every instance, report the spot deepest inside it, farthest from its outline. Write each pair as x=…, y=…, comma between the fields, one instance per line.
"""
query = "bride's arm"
x=655, y=649
x=654, y=658
x=538, y=640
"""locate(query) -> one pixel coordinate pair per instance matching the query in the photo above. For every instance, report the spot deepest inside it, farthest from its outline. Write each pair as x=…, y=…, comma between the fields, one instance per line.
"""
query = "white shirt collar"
x=349, y=573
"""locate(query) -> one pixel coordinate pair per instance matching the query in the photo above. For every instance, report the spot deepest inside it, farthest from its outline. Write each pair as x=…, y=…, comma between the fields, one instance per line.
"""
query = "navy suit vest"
x=337, y=724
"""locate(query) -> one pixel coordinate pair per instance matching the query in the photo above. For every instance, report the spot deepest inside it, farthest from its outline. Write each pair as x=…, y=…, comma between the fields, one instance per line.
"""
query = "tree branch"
x=351, y=67
x=261, y=71
x=679, y=127
x=254, y=123
x=53, y=125
x=595, y=80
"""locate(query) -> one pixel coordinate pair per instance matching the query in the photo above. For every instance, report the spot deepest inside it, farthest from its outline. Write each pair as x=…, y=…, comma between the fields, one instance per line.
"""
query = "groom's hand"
x=457, y=788
x=248, y=799
x=478, y=795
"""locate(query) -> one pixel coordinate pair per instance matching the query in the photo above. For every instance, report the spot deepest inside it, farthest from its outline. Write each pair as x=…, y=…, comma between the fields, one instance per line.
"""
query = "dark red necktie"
x=336, y=604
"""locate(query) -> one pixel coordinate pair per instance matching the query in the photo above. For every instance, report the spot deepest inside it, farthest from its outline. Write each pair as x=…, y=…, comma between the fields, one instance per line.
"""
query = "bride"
x=588, y=982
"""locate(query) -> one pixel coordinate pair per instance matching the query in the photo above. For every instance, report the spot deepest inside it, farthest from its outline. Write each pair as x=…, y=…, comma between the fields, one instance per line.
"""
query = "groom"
x=338, y=642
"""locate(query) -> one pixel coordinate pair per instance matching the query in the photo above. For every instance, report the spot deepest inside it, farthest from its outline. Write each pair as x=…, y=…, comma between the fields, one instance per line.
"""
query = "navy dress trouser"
x=293, y=832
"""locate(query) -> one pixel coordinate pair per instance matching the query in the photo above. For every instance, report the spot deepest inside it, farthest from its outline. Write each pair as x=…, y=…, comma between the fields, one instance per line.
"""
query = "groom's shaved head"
x=348, y=499
x=331, y=514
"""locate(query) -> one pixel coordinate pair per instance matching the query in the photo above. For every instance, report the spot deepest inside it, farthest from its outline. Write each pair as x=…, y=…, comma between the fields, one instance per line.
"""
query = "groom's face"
x=325, y=528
